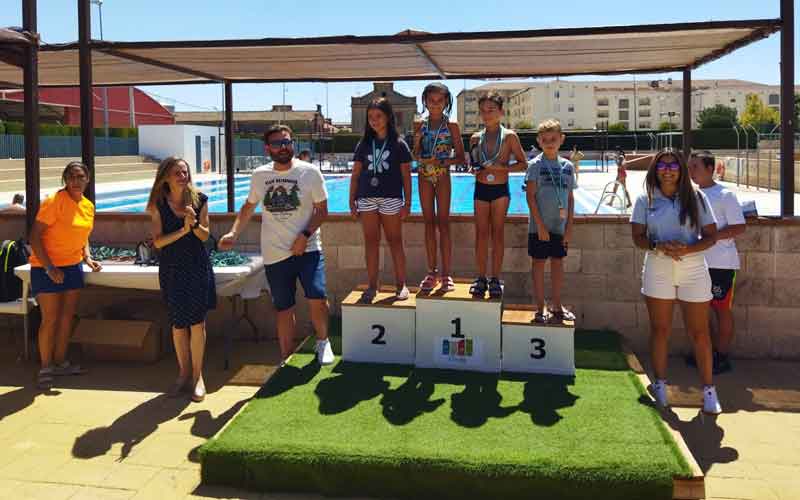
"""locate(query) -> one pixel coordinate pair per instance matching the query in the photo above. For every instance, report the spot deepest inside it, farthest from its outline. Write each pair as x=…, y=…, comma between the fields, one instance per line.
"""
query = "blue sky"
x=206, y=19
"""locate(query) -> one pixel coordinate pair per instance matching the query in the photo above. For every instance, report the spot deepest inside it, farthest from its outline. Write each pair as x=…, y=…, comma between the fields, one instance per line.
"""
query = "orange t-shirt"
x=68, y=227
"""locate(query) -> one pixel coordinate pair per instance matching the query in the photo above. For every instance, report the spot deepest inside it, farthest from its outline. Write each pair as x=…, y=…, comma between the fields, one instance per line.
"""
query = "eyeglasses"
x=280, y=144
x=663, y=166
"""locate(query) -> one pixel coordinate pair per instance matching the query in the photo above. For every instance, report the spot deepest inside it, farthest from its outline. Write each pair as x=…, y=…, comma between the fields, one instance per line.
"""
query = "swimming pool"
x=338, y=185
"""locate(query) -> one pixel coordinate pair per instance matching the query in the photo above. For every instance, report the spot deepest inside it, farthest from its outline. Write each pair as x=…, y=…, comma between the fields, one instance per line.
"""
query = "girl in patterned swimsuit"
x=436, y=150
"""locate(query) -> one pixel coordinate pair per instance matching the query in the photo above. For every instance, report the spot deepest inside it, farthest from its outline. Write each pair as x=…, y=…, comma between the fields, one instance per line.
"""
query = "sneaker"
x=658, y=390
x=722, y=363
x=67, y=368
x=402, y=293
x=711, y=404
x=324, y=352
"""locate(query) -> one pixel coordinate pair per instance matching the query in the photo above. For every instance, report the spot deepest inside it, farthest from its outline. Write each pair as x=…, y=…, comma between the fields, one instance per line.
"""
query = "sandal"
x=540, y=317
x=495, y=288
x=178, y=387
x=401, y=293
x=448, y=285
x=45, y=379
x=430, y=281
x=368, y=295
x=478, y=287
x=67, y=368
x=562, y=315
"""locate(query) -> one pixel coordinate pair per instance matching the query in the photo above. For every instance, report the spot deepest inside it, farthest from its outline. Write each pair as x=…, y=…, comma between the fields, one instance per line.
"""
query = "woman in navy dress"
x=180, y=227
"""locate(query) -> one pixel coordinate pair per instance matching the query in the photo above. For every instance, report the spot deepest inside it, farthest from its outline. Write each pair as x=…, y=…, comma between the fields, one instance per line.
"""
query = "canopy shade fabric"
x=12, y=45
x=410, y=55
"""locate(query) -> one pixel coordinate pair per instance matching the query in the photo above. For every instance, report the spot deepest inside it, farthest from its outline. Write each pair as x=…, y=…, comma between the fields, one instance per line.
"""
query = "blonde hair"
x=549, y=125
x=160, y=189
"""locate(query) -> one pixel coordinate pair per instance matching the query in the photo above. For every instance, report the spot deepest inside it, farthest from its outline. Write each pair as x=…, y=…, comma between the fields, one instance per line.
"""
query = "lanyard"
x=557, y=182
x=482, y=146
x=377, y=156
x=442, y=124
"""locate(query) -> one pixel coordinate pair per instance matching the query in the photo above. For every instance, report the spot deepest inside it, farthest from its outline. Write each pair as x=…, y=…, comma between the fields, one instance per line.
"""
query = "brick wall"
x=602, y=281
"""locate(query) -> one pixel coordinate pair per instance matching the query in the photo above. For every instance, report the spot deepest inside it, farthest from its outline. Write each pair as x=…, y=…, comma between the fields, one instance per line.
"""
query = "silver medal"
x=490, y=177
x=374, y=182
x=562, y=213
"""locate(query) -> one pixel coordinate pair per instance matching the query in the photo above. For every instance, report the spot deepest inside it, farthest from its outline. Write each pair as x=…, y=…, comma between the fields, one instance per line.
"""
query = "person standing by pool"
x=722, y=258
x=549, y=182
x=179, y=227
x=675, y=224
x=491, y=150
x=60, y=243
x=622, y=176
x=380, y=193
x=436, y=152
x=295, y=202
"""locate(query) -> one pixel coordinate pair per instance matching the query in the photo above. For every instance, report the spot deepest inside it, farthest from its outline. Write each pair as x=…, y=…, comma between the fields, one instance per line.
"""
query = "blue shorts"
x=41, y=282
x=282, y=276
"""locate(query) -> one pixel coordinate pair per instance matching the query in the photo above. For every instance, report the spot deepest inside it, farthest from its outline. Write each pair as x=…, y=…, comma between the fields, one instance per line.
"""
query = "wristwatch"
x=306, y=233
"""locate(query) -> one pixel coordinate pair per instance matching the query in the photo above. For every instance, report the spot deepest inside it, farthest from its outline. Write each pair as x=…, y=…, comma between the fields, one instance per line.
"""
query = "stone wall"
x=602, y=281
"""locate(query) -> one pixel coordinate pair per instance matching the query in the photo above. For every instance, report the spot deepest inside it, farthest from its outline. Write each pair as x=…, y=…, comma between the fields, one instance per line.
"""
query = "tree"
x=719, y=116
x=797, y=111
x=618, y=127
x=523, y=125
x=758, y=115
x=666, y=126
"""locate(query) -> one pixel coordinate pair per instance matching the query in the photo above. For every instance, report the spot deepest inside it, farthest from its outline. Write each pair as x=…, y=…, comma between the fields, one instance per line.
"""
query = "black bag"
x=146, y=254
x=12, y=254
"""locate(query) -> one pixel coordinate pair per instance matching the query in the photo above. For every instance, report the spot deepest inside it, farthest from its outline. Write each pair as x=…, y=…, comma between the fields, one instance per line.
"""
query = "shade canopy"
x=12, y=46
x=409, y=55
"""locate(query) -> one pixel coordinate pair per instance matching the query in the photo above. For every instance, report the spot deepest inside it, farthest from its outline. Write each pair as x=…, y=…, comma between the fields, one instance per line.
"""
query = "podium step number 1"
x=535, y=348
x=380, y=332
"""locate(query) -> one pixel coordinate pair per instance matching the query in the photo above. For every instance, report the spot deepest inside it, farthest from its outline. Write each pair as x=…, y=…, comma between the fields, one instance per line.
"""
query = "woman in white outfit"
x=674, y=222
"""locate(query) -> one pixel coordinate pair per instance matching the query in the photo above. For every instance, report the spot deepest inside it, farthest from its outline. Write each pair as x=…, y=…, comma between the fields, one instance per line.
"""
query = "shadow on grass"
x=409, y=401
x=352, y=384
x=544, y=395
x=129, y=429
x=288, y=377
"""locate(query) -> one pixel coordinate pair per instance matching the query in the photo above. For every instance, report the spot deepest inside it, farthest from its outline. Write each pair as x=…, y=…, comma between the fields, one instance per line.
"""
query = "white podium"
x=455, y=330
x=380, y=332
x=535, y=348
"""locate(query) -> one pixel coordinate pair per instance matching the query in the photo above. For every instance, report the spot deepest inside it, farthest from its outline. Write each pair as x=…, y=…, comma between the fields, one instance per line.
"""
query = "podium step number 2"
x=381, y=332
x=536, y=348
x=458, y=332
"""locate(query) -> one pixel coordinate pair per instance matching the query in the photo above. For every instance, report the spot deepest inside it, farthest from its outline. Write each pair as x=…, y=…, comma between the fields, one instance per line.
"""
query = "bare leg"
x=180, y=338
x=557, y=279
x=443, y=192
x=660, y=313
x=370, y=223
x=538, y=282
x=319, y=317
x=483, y=213
x=66, y=318
x=51, y=311
x=725, y=330
x=426, y=199
x=286, y=326
x=499, y=212
x=198, y=347
x=695, y=316
x=393, y=229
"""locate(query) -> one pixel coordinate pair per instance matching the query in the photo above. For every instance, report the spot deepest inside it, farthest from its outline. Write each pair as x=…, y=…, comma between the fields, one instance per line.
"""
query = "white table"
x=245, y=281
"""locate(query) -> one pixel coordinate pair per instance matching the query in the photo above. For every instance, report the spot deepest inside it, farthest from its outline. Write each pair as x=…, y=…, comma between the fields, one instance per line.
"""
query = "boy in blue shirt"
x=549, y=181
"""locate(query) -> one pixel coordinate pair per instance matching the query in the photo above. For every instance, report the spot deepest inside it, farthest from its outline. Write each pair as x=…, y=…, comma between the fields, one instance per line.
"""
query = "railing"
x=13, y=146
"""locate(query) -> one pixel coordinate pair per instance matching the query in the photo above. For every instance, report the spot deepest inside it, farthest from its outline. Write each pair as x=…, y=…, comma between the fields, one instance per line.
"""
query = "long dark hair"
x=160, y=189
x=438, y=87
x=385, y=106
x=687, y=194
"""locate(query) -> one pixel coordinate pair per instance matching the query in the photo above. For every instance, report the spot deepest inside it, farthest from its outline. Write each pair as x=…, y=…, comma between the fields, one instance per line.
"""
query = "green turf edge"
x=344, y=476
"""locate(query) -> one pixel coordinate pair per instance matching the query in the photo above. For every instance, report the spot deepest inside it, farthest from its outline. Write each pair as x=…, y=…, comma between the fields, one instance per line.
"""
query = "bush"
x=15, y=128
x=2, y=128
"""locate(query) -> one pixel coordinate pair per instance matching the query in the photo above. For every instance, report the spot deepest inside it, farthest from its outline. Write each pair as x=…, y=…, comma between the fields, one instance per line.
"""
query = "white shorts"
x=384, y=206
x=687, y=279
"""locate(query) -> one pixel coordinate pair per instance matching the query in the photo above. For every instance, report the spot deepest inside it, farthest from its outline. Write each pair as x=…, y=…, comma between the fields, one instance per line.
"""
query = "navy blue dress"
x=185, y=273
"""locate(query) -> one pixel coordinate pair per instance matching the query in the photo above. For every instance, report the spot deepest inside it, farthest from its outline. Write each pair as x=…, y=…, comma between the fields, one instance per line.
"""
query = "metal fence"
x=13, y=146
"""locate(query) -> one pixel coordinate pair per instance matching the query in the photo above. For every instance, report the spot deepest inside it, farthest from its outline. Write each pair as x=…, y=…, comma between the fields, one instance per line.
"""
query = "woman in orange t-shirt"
x=60, y=243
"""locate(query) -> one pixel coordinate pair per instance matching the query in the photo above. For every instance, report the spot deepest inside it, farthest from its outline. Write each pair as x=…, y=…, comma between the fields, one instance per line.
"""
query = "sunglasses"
x=280, y=143
x=673, y=166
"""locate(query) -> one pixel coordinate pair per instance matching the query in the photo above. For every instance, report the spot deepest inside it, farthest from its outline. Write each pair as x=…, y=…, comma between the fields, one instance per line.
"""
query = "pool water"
x=463, y=187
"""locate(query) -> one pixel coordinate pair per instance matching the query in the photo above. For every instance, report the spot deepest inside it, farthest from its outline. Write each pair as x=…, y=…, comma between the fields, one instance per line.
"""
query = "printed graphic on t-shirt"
x=282, y=197
x=383, y=163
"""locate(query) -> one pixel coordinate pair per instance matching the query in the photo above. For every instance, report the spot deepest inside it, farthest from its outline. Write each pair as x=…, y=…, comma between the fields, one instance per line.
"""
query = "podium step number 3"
x=380, y=332
x=535, y=348
x=458, y=332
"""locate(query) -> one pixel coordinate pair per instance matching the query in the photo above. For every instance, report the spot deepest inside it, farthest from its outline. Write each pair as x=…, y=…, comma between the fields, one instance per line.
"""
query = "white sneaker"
x=710, y=402
x=324, y=352
x=658, y=390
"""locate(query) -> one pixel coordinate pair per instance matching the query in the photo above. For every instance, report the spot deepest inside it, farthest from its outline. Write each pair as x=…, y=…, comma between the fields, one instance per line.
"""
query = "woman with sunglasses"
x=674, y=222
x=60, y=243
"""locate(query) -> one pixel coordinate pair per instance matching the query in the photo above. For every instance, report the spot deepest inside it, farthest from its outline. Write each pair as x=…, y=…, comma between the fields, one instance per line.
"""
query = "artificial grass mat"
x=396, y=431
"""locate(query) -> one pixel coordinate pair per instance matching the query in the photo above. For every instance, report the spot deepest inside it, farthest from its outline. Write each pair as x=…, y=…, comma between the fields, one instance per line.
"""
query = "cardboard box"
x=118, y=340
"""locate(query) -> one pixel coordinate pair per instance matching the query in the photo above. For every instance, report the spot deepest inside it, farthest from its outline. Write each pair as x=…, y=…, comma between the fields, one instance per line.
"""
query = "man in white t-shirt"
x=294, y=203
x=722, y=258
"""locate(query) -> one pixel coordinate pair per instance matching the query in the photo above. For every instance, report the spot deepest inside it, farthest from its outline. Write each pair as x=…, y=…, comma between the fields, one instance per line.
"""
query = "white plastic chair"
x=21, y=306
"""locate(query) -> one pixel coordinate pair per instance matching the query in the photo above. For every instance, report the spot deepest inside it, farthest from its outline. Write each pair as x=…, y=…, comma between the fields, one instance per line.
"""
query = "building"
x=127, y=107
x=589, y=105
x=405, y=107
x=302, y=122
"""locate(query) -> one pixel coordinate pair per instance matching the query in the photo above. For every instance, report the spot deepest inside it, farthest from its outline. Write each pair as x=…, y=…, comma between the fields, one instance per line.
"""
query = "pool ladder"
x=609, y=192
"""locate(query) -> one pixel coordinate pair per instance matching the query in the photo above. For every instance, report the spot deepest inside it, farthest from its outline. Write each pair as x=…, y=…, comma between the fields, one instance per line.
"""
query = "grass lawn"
x=394, y=431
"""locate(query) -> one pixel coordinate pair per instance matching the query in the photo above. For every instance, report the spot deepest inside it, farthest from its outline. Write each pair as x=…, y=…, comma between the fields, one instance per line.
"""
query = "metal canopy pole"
x=687, y=113
x=31, y=106
x=787, y=108
x=229, y=143
x=87, y=103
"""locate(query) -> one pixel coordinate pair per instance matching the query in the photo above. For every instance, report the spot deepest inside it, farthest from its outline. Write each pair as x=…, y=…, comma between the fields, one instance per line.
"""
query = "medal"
x=490, y=177
x=374, y=182
x=482, y=147
x=562, y=213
